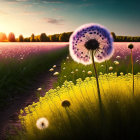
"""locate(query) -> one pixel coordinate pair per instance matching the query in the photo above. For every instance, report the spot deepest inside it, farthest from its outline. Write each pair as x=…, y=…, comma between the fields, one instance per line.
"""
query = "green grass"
x=118, y=119
x=18, y=77
x=71, y=66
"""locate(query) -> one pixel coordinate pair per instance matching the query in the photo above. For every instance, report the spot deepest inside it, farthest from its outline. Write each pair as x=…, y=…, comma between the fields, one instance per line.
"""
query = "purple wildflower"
x=91, y=37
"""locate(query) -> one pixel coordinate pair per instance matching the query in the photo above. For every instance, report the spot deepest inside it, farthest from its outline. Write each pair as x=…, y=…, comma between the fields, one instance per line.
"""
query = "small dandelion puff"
x=56, y=73
x=64, y=68
x=89, y=72
x=39, y=89
x=116, y=62
x=54, y=66
x=67, y=57
x=110, y=68
x=42, y=123
x=72, y=72
x=76, y=70
x=118, y=57
x=102, y=65
x=83, y=71
x=65, y=103
x=51, y=69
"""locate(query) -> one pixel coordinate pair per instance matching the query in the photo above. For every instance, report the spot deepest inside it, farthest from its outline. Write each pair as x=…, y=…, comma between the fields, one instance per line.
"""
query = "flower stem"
x=132, y=70
x=96, y=76
x=106, y=67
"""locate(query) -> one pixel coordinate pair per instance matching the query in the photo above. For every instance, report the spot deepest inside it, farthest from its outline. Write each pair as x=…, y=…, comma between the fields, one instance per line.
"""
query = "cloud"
x=51, y=1
x=54, y=21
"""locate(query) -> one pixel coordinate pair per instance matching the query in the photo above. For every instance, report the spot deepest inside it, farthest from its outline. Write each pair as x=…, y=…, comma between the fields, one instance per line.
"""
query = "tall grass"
x=18, y=77
x=82, y=119
x=71, y=70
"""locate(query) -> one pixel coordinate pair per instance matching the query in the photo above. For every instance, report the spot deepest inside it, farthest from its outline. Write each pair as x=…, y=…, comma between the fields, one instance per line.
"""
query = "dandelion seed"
x=102, y=65
x=116, y=62
x=56, y=73
x=76, y=70
x=89, y=72
x=54, y=66
x=110, y=68
x=42, y=123
x=72, y=72
x=118, y=57
x=39, y=89
x=65, y=103
x=51, y=69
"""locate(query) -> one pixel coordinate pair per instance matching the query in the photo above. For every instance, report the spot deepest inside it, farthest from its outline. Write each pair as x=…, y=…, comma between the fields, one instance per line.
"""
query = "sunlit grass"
x=81, y=118
x=72, y=70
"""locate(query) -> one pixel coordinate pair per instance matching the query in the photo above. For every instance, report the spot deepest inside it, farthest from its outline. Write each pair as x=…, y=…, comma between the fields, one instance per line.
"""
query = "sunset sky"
x=56, y=16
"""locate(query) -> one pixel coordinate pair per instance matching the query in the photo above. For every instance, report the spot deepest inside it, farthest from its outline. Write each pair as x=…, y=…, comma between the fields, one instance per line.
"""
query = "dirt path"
x=9, y=117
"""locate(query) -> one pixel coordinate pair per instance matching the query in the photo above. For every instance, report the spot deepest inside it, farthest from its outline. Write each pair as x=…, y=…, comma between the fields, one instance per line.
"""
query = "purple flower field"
x=121, y=49
x=23, y=50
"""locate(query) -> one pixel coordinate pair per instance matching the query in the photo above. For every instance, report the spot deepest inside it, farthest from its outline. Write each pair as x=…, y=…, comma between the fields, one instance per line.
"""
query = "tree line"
x=62, y=37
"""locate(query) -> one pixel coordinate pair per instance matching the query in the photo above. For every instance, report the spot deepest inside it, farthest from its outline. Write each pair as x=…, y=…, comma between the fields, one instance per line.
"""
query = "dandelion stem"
x=106, y=67
x=132, y=70
x=96, y=76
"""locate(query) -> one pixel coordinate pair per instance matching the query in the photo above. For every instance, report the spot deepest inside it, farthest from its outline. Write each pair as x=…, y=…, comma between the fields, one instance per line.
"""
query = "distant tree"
x=113, y=35
x=37, y=38
x=3, y=37
x=32, y=38
x=44, y=38
x=64, y=37
x=11, y=37
x=21, y=38
x=27, y=39
x=54, y=38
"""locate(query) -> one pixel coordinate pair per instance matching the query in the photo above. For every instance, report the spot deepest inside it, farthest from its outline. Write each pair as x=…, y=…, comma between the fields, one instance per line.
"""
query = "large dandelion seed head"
x=91, y=37
x=42, y=123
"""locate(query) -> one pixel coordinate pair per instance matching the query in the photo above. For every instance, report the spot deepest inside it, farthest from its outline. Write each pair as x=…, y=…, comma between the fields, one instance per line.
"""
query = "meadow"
x=72, y=109
x=22, y=63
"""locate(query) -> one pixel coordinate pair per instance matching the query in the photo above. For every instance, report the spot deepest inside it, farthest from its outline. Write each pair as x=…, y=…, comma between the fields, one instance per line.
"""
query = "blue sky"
x=56, y=16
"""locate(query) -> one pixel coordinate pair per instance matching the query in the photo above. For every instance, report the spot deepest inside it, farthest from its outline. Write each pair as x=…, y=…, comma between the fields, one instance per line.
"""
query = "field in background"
x=120, y=63
x=22, y=63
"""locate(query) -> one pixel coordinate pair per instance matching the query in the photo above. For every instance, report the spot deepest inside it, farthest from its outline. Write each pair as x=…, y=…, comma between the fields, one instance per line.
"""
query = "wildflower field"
x=72, y=109
x=22, y=63
x=96, y=96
